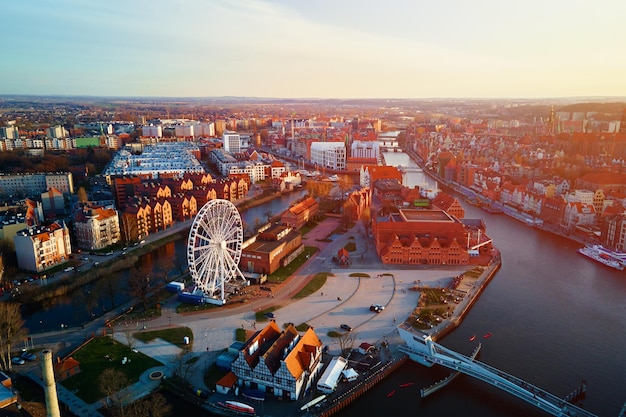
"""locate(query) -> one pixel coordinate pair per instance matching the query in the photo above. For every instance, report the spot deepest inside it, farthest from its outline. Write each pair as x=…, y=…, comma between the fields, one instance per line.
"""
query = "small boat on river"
x=471, y=339
x=487, y=335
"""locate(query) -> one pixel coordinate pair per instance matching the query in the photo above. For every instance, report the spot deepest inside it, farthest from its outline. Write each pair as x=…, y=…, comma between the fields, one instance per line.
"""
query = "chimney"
x=49, y=386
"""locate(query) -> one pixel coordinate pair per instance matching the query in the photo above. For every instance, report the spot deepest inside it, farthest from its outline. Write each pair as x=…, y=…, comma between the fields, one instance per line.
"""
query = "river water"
x=556, y=318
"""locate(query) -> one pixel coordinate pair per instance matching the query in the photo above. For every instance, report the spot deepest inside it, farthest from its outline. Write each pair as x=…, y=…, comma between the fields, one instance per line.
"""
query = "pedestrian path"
x=74, y=404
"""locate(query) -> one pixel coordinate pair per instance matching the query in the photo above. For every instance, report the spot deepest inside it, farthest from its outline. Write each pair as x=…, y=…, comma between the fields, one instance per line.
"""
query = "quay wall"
x=353, y=394
x=473, y=296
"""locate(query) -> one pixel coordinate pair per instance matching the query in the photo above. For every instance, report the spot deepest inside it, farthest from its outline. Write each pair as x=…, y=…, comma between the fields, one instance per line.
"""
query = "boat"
x=471, y=339
x=487, y=335
x=598, y=254
x=313, y=402
x=406, y=385
x=391, y=393
x=235, y=408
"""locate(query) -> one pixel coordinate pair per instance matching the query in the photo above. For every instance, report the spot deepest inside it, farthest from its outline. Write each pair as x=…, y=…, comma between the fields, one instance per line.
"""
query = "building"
x=429, y=237
x=39, y=248
x=273, y=247
x=232, y=142
x=280, y=363
x=96, y=228
x=300, y=213
x=53, y=203
x=35, y=184
x=331, y=155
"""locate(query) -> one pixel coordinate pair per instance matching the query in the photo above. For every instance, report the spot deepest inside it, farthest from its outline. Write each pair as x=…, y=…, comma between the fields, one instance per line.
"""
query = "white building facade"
x=331, y=155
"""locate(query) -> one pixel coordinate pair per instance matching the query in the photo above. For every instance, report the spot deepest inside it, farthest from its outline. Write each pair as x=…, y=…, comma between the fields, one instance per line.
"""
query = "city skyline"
x=270, y=48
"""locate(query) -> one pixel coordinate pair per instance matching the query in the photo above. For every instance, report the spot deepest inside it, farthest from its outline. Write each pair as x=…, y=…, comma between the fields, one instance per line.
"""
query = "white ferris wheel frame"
x=214, y=248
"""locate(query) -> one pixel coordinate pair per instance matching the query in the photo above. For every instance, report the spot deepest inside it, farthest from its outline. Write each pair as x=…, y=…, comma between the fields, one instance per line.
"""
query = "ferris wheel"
x=214, y=248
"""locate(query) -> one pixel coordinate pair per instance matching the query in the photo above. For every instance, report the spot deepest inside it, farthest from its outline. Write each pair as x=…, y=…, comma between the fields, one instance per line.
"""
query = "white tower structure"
x=49, y=386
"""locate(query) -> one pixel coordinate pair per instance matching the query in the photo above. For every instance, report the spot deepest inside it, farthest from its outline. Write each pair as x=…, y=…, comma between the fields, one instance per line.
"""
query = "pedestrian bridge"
x=428, y=353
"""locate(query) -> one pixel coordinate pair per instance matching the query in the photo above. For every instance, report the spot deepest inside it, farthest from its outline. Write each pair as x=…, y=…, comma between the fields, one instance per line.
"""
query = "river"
x=556, y=318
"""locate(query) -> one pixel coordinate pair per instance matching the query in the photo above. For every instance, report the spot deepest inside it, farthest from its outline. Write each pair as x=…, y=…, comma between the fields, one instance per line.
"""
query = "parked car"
x=29, y=356
x=346, y=327
x=269, y=315
x=17, y=361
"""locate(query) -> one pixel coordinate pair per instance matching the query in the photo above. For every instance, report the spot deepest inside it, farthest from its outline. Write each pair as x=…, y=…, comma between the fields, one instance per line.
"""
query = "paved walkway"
x=343, y=299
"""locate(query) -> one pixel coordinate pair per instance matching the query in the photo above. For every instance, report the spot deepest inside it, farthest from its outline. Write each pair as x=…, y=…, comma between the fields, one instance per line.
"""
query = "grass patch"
x=174, y=336
x=93, y=360
x=260, y=315
x=474, y=272
x=285, y=272
x=189, y=308
x=333, y=333
x=359, y=275
x=350, y=247
x=302, y=327
x=312, y=286
x=240, y=335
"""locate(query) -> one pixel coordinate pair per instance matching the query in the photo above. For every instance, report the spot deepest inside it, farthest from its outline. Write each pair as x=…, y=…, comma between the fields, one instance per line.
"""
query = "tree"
x=82, y=195
x=346, y=342
x=344, y=184
x=140, y=284
x=12, y=331
x=182, y=363
x=111, y=383
x=154, y=406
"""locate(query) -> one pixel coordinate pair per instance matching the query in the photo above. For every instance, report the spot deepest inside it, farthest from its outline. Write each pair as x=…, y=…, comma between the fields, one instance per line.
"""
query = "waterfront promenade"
x=345, y=298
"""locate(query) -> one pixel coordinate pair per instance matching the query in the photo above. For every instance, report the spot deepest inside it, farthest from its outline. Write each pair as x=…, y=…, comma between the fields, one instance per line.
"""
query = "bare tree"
x=182, y=363
x=130, y=338
x=346, y=342
x=154, y=406
x=82, y=195
x=12, y=331
x=111, y=383
x=344, y=184
x=140, y=284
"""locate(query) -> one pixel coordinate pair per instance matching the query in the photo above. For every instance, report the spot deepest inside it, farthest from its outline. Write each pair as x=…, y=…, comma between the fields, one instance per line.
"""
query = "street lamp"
x=170, y=317
x=41, y=324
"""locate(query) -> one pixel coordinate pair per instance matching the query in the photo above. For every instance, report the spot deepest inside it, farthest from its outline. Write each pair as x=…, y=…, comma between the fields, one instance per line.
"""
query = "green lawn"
x=93, y=360
x=174, y=335
x=285, y=272
x=314, y=285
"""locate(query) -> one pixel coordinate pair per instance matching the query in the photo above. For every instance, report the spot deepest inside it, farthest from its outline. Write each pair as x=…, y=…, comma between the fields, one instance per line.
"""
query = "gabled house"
x=280, y=363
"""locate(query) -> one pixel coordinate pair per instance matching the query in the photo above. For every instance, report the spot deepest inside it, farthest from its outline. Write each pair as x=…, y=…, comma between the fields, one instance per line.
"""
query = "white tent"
x=350, y=374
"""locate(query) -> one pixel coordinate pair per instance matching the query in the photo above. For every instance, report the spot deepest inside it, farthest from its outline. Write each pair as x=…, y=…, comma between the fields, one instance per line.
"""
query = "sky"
x=314, y=48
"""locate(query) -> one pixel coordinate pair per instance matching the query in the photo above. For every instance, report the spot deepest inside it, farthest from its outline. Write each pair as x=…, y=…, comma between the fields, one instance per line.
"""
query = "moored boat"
x=472, y=338
x=598, y=254
x=487, y=335
x=235, y=408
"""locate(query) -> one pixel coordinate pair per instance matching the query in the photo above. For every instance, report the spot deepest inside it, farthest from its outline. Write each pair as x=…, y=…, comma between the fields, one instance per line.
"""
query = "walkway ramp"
x=437, y=354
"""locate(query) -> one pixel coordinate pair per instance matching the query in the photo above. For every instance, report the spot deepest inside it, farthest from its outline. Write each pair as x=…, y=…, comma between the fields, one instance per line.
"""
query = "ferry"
x=599, y=254
x=235, y=408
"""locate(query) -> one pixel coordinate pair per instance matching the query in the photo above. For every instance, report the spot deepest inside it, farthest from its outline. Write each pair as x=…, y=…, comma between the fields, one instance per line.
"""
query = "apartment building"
x=41, y=247
x=96, y=228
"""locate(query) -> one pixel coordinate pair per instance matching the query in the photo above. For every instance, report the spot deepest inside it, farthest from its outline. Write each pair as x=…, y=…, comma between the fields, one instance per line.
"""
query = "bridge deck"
x=509, y=383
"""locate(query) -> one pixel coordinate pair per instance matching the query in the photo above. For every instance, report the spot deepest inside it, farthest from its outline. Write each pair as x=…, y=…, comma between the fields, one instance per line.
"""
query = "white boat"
x=236, y=408
x=594, y=252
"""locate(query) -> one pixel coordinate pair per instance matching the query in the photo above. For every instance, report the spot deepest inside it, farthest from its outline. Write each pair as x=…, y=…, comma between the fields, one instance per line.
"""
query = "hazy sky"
x=314, y=48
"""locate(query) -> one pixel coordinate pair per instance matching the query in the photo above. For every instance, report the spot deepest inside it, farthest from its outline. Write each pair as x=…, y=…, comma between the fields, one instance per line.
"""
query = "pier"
x=427, y=352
